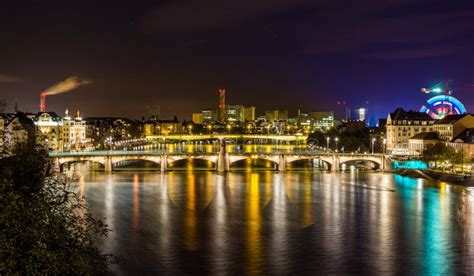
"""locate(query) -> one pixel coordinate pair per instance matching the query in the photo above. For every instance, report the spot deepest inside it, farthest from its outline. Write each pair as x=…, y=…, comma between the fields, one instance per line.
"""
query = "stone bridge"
x=222, y=160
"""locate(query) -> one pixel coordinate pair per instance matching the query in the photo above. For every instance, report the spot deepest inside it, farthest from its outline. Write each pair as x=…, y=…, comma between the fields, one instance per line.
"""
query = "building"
x=49, y=128
x=464, y=142
x=418, y=143
x=453, y=125
x=209, y=115
x=401, y=125
x=234, y=113
x=249, y=113
x=322, y=120
x=276, y=115
x=103, y=130
x=357, y=114
x=316, y=120
x=161, y=127
x=19, y=129
x=198, y=118
x=74, y=132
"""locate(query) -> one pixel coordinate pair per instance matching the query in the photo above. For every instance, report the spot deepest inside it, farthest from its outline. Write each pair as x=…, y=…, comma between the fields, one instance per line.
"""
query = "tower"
x=222, y=113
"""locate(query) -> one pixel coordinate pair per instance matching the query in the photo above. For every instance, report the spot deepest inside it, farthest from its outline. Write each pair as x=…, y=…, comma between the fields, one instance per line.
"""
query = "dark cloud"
x=207, y=15
x=419, y=53
x=268, y=53
x=326, y=27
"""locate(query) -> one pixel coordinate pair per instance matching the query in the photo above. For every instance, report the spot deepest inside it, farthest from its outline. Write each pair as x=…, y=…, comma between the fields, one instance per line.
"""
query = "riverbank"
x=453, y=178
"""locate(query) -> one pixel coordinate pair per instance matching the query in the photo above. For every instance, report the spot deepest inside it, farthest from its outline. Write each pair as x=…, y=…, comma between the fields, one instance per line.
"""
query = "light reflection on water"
x=282, y=223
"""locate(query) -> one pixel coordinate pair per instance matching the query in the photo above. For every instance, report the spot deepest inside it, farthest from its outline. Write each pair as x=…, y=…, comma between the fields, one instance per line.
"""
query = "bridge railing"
x=106, y=153
x=240, y=152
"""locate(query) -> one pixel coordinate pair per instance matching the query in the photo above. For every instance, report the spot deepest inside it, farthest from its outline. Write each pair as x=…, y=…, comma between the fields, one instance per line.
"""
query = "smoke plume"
x=65, y=86
x=9, y=79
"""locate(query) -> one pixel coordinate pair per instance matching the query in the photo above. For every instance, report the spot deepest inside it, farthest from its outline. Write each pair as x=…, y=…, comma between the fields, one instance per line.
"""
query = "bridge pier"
x=163, y=163
x=108, y=164
x=335, y=163
x=223, y=162
x=281, y=163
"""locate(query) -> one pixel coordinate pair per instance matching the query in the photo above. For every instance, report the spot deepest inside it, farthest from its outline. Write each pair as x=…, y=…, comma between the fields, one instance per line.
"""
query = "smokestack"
x=222, y=105
x=42, y=105
x=59, y=88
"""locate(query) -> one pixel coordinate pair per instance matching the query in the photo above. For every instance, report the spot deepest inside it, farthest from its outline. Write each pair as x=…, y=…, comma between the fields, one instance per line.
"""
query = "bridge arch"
x=327, y=161
x=377, y=161
x=154, y=159
x=64, y=160
x=235, y=160
x=68, y=162
x=172, y=162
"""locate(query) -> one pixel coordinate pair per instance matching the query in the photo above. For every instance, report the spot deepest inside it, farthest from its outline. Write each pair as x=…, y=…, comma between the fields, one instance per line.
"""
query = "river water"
x=305, y=222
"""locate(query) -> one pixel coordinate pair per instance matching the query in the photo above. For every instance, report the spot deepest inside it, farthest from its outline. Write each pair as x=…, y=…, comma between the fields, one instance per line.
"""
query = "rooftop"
x=401, y=114
x=450, y=119
x=467, y=136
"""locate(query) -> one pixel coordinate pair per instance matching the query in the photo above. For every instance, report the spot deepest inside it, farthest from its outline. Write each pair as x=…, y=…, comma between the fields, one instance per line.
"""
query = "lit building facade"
x=49, y=128
x=276, y=115
x=453, y=125
x=419, y=142
x=249, y=113
x=357, y=114
x=402, y=125
x=198, y=118
x=74, y=132
x=209, y=115
x=235, y=113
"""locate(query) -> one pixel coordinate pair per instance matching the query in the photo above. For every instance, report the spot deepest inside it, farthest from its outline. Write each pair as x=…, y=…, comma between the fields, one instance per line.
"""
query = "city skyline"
x=141, y=55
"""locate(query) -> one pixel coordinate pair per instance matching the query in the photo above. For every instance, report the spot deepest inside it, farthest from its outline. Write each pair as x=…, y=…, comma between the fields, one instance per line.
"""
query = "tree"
x=45, y=227
x=434, y=153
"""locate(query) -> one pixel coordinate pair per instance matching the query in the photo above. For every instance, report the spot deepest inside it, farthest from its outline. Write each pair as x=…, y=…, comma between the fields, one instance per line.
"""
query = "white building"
x=74, y=132
x=418, y=143
x=401, y=125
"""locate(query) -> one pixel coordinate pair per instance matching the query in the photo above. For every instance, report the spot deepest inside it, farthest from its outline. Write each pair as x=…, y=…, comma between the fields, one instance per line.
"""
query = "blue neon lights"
x=441, y=105
x=410, y=164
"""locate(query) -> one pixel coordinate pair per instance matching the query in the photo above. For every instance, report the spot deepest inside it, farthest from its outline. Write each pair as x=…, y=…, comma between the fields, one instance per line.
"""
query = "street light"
x=373, y=142
x=384, y=145
x=336, y=139
x=327, y=144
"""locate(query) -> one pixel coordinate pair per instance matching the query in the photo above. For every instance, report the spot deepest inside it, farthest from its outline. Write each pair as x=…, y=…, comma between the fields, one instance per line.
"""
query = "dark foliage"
x=45, y=227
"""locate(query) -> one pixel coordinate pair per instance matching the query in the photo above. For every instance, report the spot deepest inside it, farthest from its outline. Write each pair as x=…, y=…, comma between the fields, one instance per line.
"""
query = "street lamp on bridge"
x=373, y=142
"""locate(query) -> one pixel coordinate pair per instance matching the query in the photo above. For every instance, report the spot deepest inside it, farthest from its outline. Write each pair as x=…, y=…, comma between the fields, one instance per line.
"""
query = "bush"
x=45, y=227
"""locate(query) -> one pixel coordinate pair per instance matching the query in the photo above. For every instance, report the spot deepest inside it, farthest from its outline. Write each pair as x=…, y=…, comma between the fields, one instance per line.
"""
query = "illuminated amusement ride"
x=442, y=103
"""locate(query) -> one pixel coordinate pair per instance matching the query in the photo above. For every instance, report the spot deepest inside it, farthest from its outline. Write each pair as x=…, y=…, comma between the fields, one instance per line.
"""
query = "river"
x=301, y=222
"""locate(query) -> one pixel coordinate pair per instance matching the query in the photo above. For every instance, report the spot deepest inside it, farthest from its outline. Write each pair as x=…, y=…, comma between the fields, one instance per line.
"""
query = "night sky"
x=267, y=53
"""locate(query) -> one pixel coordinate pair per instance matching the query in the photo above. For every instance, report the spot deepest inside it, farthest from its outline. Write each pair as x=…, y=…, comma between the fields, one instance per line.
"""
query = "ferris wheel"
x=441, y=105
